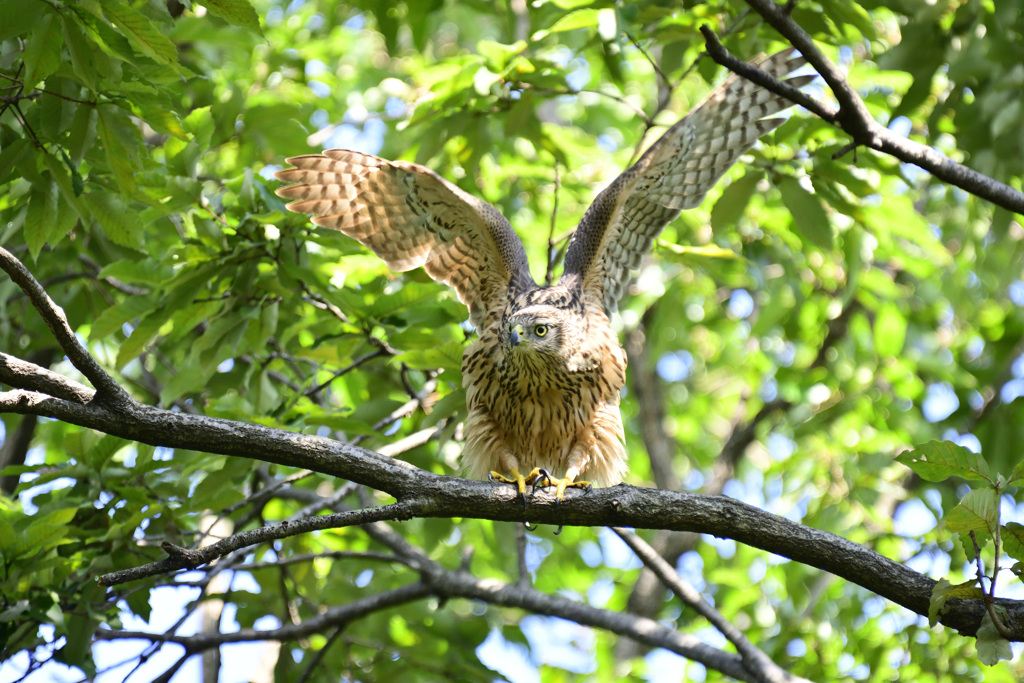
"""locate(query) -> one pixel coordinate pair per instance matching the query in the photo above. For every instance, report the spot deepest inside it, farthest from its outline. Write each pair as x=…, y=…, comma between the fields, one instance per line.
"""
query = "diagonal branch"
x=522, y=595
x=755, y=660
x=26, y=375
x=853, y=116
x=55, y=319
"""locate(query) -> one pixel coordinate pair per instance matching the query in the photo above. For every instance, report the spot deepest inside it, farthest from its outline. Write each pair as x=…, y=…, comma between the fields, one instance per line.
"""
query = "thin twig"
x=181, y=558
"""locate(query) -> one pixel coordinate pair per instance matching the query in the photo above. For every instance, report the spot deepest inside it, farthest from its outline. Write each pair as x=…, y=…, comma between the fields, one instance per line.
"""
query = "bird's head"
x=543, y=327
x=534, y=330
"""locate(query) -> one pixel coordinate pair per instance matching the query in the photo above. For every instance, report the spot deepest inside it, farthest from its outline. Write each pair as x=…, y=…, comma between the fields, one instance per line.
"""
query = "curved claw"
x=541, y=474
x=518, y=480
x=560, y=484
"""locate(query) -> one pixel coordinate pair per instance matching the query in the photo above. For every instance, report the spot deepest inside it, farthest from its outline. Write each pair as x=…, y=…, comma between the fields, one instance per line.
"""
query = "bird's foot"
x=518, y=480
x=544, y=479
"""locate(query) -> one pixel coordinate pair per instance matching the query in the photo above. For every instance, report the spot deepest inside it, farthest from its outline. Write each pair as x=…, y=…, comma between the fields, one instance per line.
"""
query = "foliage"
x=841, y=307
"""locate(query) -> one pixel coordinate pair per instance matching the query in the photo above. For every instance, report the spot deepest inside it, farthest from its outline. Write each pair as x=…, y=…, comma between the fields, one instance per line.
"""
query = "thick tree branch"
x=445, y=496
x=853, y=116
x=25, y=375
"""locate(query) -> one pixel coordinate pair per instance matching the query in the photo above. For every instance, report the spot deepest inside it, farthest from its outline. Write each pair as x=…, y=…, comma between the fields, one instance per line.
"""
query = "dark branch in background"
x=646, y=386
x=17, y=442
x=646, y=599
x=853, y=116
x=754, y=659
x=336, y=616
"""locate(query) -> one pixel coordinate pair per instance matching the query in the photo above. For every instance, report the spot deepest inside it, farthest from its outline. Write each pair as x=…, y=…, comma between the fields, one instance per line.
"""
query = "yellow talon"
x=518, y=479
x=559, y=484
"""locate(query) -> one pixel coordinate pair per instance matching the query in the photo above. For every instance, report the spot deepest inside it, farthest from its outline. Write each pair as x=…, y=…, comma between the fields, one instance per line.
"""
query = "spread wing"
x=410, y=217
x=674, y=174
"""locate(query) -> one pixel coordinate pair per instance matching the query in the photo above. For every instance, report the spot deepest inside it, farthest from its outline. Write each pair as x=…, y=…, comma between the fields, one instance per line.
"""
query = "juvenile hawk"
x=543, y=379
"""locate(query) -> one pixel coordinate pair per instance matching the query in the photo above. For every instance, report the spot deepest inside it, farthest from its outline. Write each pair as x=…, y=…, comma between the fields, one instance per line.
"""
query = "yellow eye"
x=540, y=330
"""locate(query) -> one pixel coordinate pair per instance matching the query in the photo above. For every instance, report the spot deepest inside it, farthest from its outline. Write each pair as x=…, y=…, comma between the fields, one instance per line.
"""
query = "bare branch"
x=25, y=375
x=853, y=116
x=190, y=558
x=330, y=618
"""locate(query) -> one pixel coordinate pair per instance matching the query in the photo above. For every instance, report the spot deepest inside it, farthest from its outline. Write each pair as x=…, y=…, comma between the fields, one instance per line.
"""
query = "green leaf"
x=991, y=646
x=730, y=206
x=977, y=511
x=142, y=34
x=499, y=54
x=83, y=133
x=1012, y=535
x=18, y=18
x=447, y=356
x=42, y=53
x=71, y=209
x=808, y=214
x=41, y=217
x=119, y=155
x=7, y=538
x=890, y=330
x=1017, y=474
x=939, y=460
x=235, y=12
x=112, y=319
x=11, y=155
x=707, y=251
x=43, y=533
x=79, y=49
x=581, y=18
x=142, y=335
x=122, y=225
x=943, y=591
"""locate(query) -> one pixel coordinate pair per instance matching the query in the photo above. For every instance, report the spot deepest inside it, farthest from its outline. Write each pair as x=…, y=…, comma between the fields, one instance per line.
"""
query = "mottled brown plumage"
x=544, y=378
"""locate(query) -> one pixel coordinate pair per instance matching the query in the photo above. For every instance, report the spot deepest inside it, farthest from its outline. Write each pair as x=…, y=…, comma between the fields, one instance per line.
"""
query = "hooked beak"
x=515, y=335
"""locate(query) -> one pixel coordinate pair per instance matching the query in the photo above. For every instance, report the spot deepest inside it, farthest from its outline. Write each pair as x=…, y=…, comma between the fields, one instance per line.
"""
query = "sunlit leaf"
x=977, y=511
x=939, y=460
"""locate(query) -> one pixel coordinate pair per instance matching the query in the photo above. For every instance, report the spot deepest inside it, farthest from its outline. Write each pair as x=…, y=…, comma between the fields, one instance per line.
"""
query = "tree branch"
x=332, y=617
x=55, y=319
x=190, y=558
x=26, y=375
x=853, y=116
x=522, y=595
x=429, y=495
x=446, y=496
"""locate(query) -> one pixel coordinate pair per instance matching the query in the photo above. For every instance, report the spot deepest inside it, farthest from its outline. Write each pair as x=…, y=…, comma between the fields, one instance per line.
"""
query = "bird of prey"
x=544, y=377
